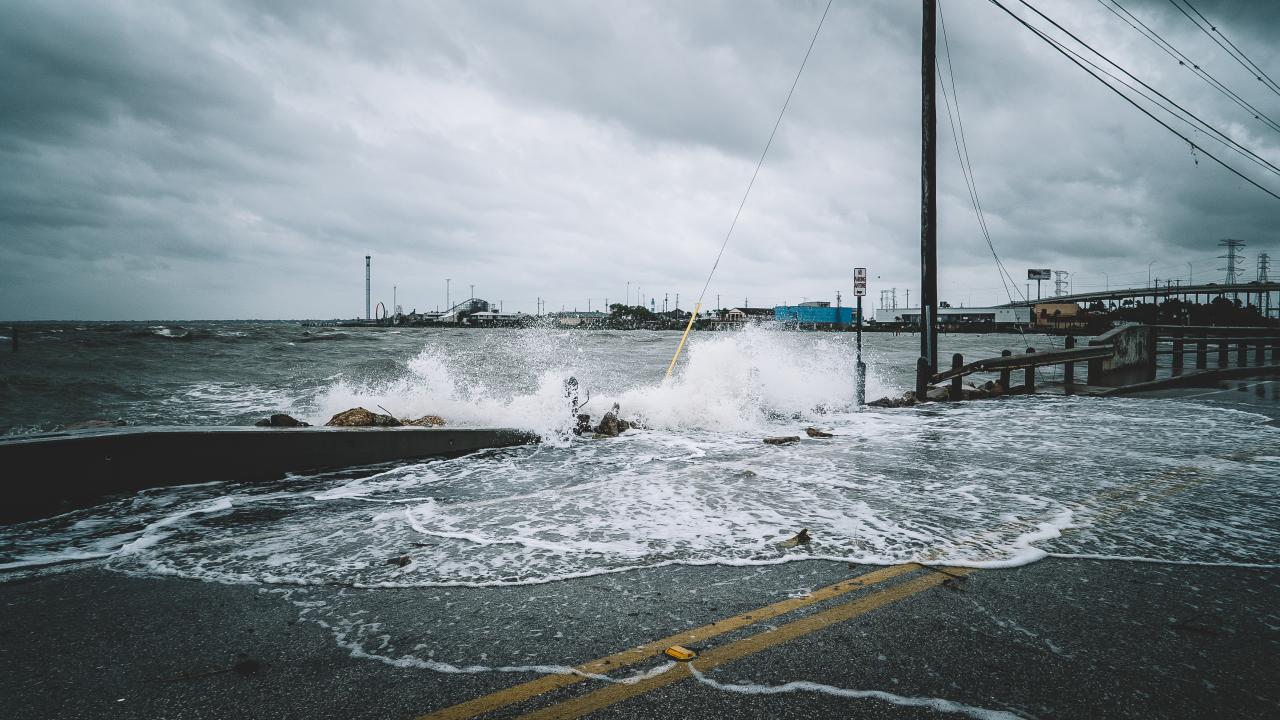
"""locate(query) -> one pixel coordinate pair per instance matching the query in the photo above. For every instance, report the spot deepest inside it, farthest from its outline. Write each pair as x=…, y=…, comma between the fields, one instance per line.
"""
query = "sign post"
x=860, y=289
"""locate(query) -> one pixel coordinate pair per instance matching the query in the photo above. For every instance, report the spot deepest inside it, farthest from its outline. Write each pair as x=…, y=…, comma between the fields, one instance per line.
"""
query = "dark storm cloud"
x=240, y=158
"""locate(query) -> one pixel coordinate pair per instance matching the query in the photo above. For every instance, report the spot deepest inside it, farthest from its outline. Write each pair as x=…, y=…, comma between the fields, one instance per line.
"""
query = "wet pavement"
x=1058, y=638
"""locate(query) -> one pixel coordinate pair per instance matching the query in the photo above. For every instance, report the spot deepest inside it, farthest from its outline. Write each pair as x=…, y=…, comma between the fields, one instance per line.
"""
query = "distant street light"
x=1190, y=270
x=1108, y=280
x=1153, y=262
x=446, y=294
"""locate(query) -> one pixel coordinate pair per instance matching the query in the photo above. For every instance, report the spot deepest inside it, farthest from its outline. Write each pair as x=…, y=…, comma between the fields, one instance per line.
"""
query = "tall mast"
x=928, y=194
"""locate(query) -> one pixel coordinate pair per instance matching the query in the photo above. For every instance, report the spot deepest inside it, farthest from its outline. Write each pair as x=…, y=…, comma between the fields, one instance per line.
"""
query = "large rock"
x=787, y=440
x=609, y=425
x=427, y=421
x=360, y=417
x=583, y=424
x=938, y=394
x=816, y=433
x=281, y=420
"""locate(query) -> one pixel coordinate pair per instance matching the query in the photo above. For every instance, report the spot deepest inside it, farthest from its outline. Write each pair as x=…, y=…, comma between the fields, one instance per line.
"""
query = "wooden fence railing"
x=1125, y=355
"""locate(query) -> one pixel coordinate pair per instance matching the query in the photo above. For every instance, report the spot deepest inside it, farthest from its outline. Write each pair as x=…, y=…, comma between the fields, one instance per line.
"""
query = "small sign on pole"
x=859, y=281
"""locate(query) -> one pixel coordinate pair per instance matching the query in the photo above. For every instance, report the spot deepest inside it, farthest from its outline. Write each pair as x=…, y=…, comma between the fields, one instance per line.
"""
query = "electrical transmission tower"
x=1060, y=282
x=1233, y=258
x=1264, y=267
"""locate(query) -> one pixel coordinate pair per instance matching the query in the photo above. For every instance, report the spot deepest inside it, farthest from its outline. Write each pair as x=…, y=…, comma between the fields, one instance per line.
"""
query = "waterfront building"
x=973, y=318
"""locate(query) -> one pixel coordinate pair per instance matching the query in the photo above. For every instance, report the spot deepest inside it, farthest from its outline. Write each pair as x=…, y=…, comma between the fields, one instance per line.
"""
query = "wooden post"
x=1242, y=354
x=1029, y=375
x=1177, y=352
x=1223, y=353
x=1275, y=352
x=922, y=379
x=1069, y=369
x=928, y=186
x=1260, y=353
x=1004, y=372
x=1202, y=354
x=957, y=382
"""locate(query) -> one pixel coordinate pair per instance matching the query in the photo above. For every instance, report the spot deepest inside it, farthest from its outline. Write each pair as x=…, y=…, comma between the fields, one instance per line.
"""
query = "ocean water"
x=984, y=484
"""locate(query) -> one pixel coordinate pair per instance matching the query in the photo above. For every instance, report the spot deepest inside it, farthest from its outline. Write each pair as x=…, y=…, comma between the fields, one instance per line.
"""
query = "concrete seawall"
x=54, y=472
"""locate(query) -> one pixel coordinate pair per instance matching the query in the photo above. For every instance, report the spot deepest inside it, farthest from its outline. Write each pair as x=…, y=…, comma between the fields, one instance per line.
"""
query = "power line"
x=1235, y=52
x=765, y=152
x=962, y=152
x=1215, y=133
x=1056, y=46
x=1185, y=61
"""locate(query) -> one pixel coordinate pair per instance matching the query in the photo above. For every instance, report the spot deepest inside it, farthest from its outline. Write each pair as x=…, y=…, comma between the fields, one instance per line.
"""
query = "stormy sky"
x=238, y=159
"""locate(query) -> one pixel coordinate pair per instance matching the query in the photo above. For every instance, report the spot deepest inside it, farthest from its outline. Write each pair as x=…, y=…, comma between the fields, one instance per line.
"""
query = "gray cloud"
x=239, y=159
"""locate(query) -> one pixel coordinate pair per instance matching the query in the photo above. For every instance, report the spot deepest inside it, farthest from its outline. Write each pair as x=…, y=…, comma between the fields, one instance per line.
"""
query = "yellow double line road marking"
x=577, y=707
x=601, y=666
x=1168, y=483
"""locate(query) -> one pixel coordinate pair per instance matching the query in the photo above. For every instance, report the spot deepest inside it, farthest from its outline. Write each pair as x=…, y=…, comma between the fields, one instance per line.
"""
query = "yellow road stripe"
x=546, y=683
x=579, y=706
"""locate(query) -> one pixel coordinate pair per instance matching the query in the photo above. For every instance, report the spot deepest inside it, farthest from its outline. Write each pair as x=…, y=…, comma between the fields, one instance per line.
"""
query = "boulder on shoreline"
x=816, y=433
x=281, y=420
x=427, y=421
x=360, y=417
x=787, y=440
x=609, y=425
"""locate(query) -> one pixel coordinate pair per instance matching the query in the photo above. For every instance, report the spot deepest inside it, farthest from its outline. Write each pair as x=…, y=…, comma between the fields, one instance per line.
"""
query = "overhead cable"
x=1235, y=52
x=1182, y=59
x=1057, y=46
x=1194, y=120
x=785, y=104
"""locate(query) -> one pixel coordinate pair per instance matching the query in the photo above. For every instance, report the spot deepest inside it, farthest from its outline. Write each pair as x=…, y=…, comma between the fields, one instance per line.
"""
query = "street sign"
x=1045, y=274
x=859, y=281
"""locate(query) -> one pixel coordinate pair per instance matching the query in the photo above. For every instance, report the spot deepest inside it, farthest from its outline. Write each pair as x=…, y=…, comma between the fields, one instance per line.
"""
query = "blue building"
x=813, y=314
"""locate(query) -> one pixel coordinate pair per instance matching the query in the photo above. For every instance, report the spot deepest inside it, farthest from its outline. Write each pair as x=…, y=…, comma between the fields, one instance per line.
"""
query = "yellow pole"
x=683, y=337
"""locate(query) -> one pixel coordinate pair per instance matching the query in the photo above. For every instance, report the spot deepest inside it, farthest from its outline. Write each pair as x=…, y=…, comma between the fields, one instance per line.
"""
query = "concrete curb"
x=55, y=472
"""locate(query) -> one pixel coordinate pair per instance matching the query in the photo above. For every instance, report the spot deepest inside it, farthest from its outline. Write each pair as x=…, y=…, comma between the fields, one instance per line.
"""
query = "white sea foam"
x=972, y=484
x=932, y=703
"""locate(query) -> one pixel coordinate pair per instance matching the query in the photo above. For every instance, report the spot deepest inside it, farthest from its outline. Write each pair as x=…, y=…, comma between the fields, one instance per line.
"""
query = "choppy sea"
x=993, y=483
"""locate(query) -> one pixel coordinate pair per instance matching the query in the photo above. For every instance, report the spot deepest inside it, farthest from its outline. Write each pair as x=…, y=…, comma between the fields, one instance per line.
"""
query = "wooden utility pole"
x=928, y=195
